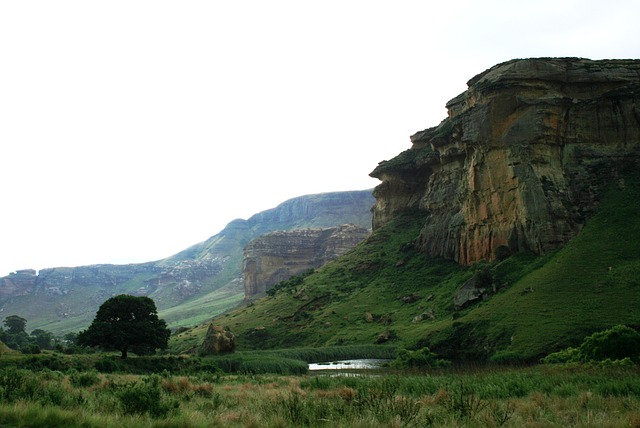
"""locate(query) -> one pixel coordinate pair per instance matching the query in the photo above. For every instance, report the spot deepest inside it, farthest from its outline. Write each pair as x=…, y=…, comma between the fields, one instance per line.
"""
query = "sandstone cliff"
x=277, y=256
x=521, y=159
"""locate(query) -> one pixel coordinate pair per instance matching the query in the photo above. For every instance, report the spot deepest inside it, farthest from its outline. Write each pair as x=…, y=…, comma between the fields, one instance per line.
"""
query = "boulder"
x=474, y=289
x=218, y=340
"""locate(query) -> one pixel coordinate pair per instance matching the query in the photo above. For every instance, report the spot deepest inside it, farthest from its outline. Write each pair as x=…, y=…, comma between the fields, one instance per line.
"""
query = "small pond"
x=363, y=364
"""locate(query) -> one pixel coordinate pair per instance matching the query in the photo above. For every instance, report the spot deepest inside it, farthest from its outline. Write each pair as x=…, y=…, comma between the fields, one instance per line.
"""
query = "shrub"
x=83, y=379
x=565, y=356
x=106, y=365
x=31, y=349
x=617, y=343
x=422, y=358
x=144, y=397
x=17, y=384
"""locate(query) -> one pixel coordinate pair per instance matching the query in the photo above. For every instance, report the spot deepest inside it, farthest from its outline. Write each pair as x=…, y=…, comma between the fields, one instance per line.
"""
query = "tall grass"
x=513, y=397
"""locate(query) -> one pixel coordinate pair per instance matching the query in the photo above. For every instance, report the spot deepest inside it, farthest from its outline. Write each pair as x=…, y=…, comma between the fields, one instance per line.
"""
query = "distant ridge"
x=188, y=287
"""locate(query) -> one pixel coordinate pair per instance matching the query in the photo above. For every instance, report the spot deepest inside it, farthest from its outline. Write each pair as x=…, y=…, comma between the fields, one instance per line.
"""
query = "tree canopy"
x=126, y=323
x=42, y=338
x=15, y=324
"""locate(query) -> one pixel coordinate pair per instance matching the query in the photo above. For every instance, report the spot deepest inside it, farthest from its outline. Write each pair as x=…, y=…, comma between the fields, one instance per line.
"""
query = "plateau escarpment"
x=277, y=256
x=521, y=161
x=538, y=154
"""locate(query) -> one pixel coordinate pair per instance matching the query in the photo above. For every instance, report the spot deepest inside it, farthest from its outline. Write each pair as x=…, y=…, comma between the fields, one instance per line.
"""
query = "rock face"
x=18, y=283
x=277, y=256
x=218, y=341
x=60, y=281
x=521, y=160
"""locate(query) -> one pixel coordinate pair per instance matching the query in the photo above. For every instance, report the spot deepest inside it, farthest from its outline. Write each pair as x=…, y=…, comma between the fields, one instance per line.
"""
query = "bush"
x=83, y=379
x=617, y=343
x=17, y=384
x=565, y=356
x=106, y=365
x=422, y=358
x=144, y=397
x=44, y=361
x=31, y=349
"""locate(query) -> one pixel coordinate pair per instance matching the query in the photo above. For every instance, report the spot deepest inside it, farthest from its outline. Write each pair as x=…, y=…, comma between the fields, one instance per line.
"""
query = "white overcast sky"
x=130, y=130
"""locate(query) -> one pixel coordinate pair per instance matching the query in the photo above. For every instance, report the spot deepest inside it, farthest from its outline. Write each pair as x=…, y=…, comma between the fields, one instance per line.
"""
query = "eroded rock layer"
x=277, y=256
x=520, y=161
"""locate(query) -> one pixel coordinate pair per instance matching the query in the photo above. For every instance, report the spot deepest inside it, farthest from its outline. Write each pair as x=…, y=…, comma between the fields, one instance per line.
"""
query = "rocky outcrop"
x=477, y=287
x=277, y=256
x=60, y=281
x=521, y=160
x=217, y=341
x=18, y=283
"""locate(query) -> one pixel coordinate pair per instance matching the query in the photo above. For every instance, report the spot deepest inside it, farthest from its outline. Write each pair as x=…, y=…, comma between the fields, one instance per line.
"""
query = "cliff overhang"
x=521, y=159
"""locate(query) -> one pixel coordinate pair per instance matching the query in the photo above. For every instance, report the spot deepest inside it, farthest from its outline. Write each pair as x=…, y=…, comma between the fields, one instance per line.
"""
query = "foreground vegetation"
x=513, y=397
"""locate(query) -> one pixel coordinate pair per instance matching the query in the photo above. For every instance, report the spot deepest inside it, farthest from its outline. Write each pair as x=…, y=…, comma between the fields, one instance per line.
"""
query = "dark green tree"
x=126, y=323
x=70, y=338
x=15, y=324
x=42, y=338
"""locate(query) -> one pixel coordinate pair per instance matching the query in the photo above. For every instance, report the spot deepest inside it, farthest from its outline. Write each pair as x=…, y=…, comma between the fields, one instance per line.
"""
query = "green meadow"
x=481, y=396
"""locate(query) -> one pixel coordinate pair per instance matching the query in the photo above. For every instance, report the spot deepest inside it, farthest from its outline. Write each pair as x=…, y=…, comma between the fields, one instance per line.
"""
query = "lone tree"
x=126, y=323
x=15, y=324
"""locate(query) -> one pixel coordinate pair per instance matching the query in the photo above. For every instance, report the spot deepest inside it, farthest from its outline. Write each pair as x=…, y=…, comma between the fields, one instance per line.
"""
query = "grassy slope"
x=331, y=307
x=218, y=295
x=192, y=312
x=591, y=284
x=550, y=302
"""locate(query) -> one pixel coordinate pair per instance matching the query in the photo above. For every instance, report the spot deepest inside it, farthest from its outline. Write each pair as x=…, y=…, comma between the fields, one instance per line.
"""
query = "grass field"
x=541, y=396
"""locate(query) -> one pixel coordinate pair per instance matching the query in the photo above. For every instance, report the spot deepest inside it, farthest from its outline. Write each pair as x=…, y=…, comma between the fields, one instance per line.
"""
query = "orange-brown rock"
x=521, y=159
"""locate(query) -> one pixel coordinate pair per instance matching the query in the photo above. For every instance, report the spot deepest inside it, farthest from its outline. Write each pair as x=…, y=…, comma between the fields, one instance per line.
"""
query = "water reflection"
x=370, y=363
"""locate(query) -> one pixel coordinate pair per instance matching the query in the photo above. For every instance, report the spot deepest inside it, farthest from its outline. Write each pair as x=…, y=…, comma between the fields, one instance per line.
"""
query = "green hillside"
x=224, y=290
x=189, y=287
x=386, y=292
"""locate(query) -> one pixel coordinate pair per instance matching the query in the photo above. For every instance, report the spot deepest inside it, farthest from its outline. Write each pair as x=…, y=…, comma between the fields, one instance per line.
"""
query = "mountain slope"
x=188, y=287
x=590, y=284
x=386, y=291
x=509, y=230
